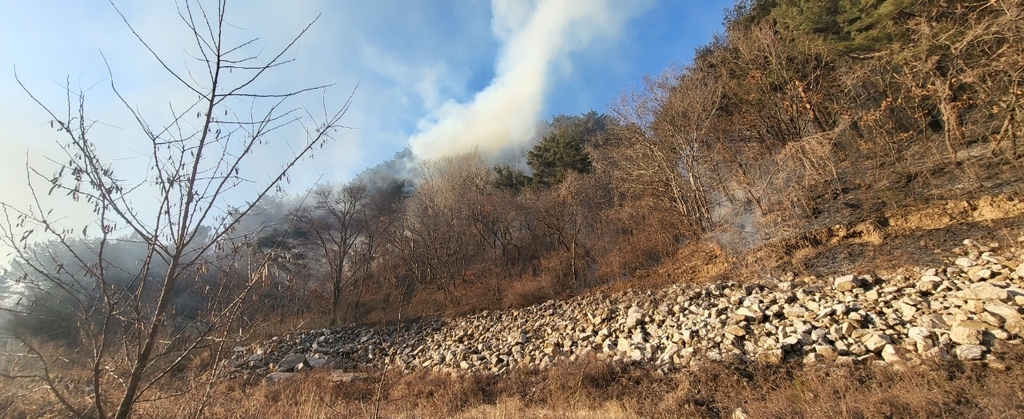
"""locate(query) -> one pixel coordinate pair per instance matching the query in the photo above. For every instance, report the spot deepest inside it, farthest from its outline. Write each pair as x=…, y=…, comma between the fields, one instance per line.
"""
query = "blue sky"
x=441, y=76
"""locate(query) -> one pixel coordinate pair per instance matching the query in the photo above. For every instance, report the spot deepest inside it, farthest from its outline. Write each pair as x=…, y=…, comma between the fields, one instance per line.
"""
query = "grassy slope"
x=867, y=229
x=893, y=240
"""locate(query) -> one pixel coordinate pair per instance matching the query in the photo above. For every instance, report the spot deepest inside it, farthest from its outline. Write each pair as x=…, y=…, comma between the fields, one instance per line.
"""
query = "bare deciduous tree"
x=182, y=211
x=336, y=221
x=665, y=145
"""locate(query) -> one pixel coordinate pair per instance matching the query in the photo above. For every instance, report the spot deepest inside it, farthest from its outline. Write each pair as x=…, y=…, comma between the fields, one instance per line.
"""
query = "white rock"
x=892, y=353
x=929, y=284
x=1002, y=310
x=967, y=333
x=827, y=351
x=846, y=329
x=1000, y=334
x=623, y=345
x=818, y=334
x=983, y=291
x=964, y=262
x=750, y=314
x=907, y=317
x=981, y=274
x=875, y=341
x=907, y=310
x=991, y=319
x=634, y=317
x=969, y=352
x=917, y=332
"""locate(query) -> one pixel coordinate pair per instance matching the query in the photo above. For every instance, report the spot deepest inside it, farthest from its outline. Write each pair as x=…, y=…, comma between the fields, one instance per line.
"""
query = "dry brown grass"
x=591, y=388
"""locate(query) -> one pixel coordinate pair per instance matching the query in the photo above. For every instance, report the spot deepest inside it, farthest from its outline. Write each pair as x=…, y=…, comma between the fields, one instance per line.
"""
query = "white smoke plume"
x=536, y=36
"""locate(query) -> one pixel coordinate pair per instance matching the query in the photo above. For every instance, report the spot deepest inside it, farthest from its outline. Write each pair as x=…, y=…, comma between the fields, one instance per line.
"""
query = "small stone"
x=846, y=329
x=845, y=360
x=813, y=358
x=892, y=353
x=929, y=284
x=996, y=364
x=634, y=317
x=875, y=341
x=345, y=377
x=983, y=291
x=750, y=314
x=1015, y=326
x=735, y=330
x=932, y=322
x=991, y=319
x=964, y=262
x=795, y=312
x=845, y=283
x=278, y=377
x=967, y=333
x=1002, y=310
x=1000, y=334
x=979, y=273
x=969, y=352
x=773, y=356
x=974, y=306
x=623, y=345
x=290, y=362
x=826, y=351
x=917, y=332
x=908, y=311
x=842, y=348
x=552, y=350
x=938, y=353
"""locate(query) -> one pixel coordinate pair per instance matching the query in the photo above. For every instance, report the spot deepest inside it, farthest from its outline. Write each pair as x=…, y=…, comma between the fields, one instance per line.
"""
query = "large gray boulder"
x=290, y=362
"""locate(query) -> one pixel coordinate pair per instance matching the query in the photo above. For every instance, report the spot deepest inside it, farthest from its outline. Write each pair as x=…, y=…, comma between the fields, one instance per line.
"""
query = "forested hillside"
x=804, y=121
x=802, y=115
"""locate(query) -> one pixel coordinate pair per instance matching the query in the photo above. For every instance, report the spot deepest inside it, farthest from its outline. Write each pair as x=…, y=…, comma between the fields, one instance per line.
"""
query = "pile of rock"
x=960, y=311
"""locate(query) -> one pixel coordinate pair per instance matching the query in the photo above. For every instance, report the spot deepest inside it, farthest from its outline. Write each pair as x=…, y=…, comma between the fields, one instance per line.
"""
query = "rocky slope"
x=962, y=310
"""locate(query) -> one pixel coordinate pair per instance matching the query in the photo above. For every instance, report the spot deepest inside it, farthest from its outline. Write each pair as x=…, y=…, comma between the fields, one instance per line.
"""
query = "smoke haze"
x=536, y=37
